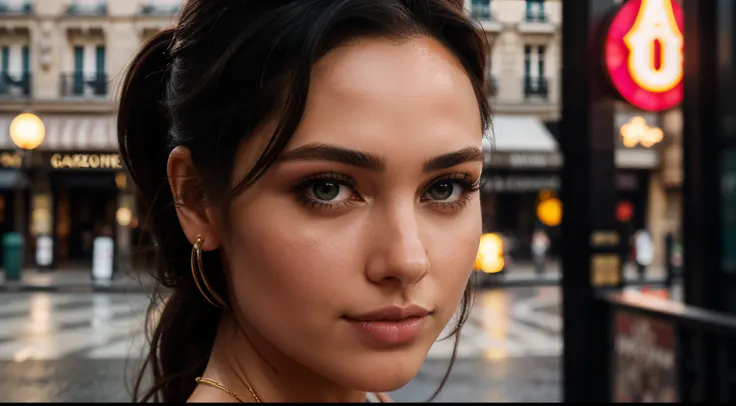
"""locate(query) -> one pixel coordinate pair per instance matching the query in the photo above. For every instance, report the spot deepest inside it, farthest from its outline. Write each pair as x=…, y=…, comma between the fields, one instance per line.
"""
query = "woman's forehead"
x=418, y=67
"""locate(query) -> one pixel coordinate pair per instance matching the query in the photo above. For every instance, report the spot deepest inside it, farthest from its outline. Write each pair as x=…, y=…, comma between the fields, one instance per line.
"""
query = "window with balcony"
x=161, y=7
x=89, y=77
x=15, y=71
x=87, y=7
x=16, y=7
x=535, y=11
x=480, y=9
x=535, y=82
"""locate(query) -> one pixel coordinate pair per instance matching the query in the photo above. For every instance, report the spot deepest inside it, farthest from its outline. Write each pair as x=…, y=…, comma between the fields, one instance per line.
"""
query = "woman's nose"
x=400, y=257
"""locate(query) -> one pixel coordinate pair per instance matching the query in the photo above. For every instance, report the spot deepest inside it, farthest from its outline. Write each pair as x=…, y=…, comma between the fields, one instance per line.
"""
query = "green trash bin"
x=12, y=256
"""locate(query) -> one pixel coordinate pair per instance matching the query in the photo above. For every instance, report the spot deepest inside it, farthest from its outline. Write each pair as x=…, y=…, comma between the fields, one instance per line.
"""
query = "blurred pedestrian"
x=322, y=216
x=643, y=251
x=540, y=246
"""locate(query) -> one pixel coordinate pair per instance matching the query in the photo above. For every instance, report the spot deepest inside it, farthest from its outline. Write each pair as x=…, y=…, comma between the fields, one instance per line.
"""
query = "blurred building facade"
x=524, y=37
x=63, y=60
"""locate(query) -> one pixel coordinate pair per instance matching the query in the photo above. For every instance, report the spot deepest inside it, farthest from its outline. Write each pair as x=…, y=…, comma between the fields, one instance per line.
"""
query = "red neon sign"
x=643, y=53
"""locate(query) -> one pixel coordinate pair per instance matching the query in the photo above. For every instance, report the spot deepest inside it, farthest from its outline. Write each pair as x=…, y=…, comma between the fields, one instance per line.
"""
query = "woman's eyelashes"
x=332, y=191
x=326, y=191
x=451, y=192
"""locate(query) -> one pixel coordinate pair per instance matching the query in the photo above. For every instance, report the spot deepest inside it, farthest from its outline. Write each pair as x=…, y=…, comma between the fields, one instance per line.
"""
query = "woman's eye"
x=328, y=191
x=325, y=190
x=444, y=191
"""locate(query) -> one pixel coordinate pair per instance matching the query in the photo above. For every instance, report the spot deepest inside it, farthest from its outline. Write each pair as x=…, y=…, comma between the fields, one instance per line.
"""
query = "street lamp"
x=27, y=131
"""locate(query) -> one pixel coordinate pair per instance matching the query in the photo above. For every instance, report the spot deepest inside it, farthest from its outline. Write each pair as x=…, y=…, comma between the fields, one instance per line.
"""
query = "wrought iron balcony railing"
x=159, y=10
x=79, y=9
x=13, y=8
x=536, y=17
x=536, y=86
x=481, y=11
x=15, y=85
x=83, y=85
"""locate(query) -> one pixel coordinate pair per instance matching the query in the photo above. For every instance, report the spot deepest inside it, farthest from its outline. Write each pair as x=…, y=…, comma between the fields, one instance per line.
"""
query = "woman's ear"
x=191, y=200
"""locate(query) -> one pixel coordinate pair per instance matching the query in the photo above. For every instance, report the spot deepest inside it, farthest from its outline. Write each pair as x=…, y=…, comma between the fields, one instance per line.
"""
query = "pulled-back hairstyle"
x=207, y=84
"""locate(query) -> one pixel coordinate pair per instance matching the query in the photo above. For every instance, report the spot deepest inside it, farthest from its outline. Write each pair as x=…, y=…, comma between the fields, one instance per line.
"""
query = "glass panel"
x=26, y=59
x=78, y=70
x=480, y=9
x=535, y=10
x=100, y=60
x=728, y=208
x=4, y=69
x=541, y=50
x=5, y=59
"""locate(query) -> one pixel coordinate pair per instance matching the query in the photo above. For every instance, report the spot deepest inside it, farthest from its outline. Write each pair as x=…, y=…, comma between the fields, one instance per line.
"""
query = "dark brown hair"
x=207, y=85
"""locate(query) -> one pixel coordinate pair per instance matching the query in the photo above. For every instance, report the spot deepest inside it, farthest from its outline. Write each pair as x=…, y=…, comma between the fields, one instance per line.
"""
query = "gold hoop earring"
x=197, y=268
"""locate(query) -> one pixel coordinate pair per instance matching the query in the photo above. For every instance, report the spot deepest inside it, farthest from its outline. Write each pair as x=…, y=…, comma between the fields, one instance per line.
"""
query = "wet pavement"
x=517, y=274
x=84, y=347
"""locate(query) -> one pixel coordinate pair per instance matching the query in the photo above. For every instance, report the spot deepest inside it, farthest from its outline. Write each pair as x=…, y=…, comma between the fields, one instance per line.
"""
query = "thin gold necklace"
x=215, y=384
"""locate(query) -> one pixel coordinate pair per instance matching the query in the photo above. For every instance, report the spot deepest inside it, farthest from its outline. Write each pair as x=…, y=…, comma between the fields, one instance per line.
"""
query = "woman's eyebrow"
x=373, y=162
x=324, y=152
x=467, y=154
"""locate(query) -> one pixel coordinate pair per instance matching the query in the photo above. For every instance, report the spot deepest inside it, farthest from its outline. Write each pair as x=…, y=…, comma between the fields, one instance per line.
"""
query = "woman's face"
x=371, y=215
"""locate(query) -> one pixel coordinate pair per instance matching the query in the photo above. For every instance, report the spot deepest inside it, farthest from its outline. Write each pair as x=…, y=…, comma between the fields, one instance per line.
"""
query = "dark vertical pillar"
x=726, y=149
x=700, y=166
x=709, y=183
x=589, y=228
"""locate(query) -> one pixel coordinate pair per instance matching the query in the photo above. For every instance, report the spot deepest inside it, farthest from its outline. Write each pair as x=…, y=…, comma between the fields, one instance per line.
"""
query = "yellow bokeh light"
x=27, y=131
x=124, y=216
x=549, y=212
x=490, y=254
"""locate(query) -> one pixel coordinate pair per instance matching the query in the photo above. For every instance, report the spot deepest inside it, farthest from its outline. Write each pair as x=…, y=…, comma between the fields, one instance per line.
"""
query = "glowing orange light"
x=549, y=212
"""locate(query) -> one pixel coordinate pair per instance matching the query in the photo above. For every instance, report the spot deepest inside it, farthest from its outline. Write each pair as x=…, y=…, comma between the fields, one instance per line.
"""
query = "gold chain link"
x=217, y=385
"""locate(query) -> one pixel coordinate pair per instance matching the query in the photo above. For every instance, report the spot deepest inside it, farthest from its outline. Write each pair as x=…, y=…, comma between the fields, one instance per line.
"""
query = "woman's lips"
x=390, y=332
x=390, y=325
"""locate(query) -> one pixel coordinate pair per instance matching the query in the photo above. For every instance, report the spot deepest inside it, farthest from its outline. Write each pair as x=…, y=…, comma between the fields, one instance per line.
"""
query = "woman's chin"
x=380, y=384
x=382, y=373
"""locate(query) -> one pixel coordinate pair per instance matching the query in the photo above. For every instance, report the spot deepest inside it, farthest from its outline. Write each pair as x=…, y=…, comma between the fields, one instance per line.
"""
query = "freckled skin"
x=295, y=271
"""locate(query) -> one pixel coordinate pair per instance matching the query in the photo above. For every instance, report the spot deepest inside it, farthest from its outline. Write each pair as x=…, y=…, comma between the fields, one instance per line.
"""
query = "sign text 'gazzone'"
x=86, y=161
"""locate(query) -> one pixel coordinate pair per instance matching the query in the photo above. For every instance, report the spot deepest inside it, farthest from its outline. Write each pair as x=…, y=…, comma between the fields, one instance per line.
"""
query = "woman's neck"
x=241, y=358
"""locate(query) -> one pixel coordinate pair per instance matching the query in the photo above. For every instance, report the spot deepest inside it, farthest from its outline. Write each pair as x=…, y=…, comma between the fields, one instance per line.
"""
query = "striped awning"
x=70, y=133
x=523, y=133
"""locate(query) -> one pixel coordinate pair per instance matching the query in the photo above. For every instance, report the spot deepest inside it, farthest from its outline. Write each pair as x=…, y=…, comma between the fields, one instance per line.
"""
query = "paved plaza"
x=84, y=347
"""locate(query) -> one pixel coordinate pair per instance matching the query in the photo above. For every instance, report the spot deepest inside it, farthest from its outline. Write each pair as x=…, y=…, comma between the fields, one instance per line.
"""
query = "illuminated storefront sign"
x=11, y=160
x=520, y=183
x=644, y=53
x=540, y=160
x=638, y=132
x=85, y=161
